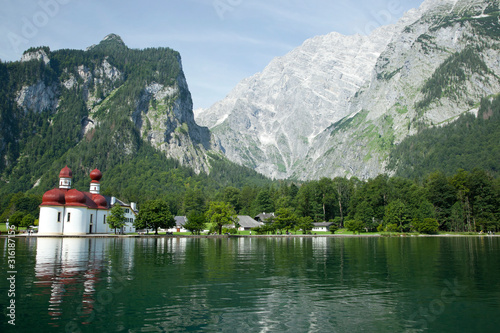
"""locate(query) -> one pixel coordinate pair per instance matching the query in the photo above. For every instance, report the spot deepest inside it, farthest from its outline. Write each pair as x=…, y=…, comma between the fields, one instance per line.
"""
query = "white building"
x=66, y=211
x=321, y=226
x=179, y=225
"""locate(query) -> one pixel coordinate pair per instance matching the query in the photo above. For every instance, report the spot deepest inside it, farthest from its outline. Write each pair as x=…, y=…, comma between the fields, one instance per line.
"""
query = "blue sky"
x=220, y=41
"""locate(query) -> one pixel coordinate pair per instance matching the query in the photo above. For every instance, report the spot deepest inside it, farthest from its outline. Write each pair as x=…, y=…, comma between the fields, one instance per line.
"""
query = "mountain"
x=472, y=141
x=338, y=105
x=102, y=107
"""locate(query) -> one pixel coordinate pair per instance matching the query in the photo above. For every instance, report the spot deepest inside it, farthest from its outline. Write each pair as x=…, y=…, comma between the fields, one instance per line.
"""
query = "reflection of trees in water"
x=268, y=283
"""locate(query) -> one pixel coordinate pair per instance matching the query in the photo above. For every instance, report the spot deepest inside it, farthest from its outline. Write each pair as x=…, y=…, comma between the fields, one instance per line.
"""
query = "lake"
x=261, y=284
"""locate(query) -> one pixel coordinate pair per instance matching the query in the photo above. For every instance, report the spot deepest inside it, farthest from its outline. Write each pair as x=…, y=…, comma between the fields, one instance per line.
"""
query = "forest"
x=467, y=201
x=469, y=142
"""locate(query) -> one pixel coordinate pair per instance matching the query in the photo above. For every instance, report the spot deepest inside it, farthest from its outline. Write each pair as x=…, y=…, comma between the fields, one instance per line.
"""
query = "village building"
x=322, y=226
x=264, y=217
x=67, y=211
x=247, y=223
x=179, y=225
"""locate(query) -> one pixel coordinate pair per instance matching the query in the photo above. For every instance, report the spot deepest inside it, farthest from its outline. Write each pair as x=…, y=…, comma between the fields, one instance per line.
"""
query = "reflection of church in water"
x=66, y=211
x=72, y=268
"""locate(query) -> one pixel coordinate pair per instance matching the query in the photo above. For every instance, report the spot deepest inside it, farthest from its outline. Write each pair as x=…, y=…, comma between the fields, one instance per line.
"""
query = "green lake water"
x=323, y=284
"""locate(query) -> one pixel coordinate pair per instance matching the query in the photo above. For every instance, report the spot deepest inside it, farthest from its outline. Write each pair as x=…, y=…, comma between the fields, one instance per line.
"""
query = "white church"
x=66, y=211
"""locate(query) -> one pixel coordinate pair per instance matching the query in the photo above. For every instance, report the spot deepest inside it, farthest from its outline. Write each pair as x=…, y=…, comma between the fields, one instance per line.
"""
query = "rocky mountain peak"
x=109, y=44
x=337, y=104
x=270, y=120
x=113, y=38
x=40, y=53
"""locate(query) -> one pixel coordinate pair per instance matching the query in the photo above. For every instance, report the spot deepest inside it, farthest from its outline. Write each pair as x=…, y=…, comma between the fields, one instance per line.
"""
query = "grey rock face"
x=39, y=54
x=164, y=116
x=337, y=104
x=269, y=121
x=37, y=97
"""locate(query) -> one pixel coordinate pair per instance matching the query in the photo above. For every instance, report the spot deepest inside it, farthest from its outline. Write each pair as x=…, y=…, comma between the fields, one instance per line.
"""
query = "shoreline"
x=242, y=236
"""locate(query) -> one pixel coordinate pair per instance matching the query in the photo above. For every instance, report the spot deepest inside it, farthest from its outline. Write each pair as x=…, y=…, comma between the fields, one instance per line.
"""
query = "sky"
x=221, y=42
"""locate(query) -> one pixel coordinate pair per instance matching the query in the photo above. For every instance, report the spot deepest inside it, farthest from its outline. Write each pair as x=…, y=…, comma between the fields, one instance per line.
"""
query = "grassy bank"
x=340, y=232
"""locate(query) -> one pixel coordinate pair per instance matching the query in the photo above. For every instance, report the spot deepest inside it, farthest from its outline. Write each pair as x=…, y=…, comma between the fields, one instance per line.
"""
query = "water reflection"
x=68, y=269
x=257, y=284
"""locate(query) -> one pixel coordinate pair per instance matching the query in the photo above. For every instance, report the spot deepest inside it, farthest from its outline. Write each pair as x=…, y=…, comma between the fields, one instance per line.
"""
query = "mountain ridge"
x=382, y=107
x=95, y=108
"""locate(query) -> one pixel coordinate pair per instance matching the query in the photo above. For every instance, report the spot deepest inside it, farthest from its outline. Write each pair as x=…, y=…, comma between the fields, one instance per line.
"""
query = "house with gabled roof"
x=247, y=223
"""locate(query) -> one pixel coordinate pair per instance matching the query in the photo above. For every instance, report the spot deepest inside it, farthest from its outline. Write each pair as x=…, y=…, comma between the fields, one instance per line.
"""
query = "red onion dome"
x=100, y=201
x=96, y=175
x=53, y=197
x=66, y=173
x=75, y=197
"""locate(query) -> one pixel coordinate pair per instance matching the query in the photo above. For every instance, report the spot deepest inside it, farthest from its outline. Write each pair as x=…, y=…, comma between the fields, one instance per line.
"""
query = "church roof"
x=95, y=175
x=66, y=173
x=55, y=197
x=74, y=198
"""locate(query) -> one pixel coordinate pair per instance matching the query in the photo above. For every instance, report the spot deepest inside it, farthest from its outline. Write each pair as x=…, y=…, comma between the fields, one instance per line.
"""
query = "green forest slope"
x=469, y=142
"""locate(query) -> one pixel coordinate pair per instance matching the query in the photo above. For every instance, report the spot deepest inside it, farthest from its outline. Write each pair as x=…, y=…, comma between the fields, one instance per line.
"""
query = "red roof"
x=95, y=175
x=100, y=201
x=74, y=198
x=54, y=197
x=66, y=173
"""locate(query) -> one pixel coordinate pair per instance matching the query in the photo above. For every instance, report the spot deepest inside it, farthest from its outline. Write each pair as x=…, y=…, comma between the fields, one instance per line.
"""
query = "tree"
x=461, y=183
x=441, y=194
x=328, y=197
x=193, y=201
x=354, y=226
x=219, y=214
x=247, y=198
x=305, y=224
x=266, y=228
x=427, y=226
x=344, y=191
x=285, y=219
x=195, y=223
x=483, y=200
x=29, y=204
x=369, y=200
x=232, y=196
x=116, y=218
x=309, y=201
x=457, y=218
x=27, y=221
x=264, y=202
x=364, y=213
x=395, y=213
x=154, y=214
x=333, y=228
x=16, y=219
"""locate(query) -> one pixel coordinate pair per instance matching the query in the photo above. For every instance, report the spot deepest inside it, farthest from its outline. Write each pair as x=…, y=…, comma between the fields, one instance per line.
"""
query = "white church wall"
x=48, y=222
x=78, y=221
